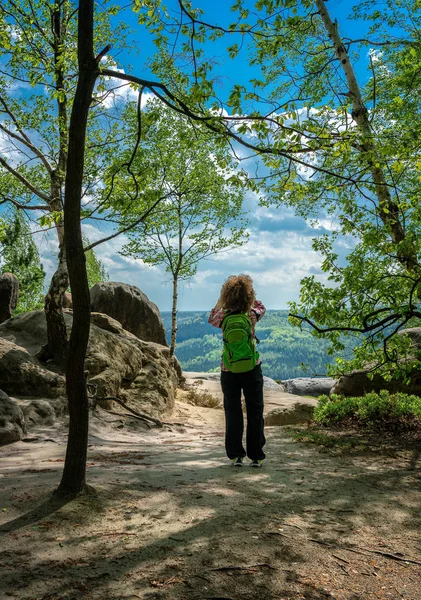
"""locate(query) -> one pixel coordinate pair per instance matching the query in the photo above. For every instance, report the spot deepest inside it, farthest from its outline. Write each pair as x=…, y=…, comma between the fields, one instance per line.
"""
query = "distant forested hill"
x=282, y=347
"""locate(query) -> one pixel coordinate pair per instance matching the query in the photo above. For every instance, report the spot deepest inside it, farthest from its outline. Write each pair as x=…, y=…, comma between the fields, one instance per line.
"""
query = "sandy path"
x=170, y=512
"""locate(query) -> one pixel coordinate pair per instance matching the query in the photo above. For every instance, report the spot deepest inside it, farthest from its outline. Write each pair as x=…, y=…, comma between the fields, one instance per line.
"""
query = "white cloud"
x=117, y=91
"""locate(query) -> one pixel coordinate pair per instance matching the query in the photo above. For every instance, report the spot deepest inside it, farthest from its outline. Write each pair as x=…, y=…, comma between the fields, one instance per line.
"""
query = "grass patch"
x=204, y=399
x=395, y=413
x=331, y=442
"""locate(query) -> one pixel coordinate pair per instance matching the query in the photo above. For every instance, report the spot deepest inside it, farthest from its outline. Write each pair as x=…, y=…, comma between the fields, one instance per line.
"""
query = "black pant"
x=252, y=385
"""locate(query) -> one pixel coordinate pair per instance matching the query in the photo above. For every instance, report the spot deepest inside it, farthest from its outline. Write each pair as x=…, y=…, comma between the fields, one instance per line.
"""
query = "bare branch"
x=25, y=181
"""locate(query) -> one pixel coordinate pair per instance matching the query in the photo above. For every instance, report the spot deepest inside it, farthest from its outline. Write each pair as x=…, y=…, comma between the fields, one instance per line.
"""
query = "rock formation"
x=118, y=363
x=21, y=374
x=359, y=383
x=130, y=307
x=12, y=423
x=308, y=386
x=9, y=295
x=291, y=415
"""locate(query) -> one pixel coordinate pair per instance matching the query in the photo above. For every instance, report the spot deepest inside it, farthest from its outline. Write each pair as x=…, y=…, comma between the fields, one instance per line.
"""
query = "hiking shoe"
x=237, y=462
x=256, y=463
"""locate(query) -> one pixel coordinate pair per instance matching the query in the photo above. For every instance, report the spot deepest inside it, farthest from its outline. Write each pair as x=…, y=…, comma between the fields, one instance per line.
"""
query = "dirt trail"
x=171, y=519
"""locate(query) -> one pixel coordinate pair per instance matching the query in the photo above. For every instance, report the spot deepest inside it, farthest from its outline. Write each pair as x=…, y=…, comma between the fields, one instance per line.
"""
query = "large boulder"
x=308, y=386
x=9, y=295
x=290, y=415
x=359, y=383
x=22, y=375
x=12, y=422
x=414, y=333
x=140, y=373
x=130, y=307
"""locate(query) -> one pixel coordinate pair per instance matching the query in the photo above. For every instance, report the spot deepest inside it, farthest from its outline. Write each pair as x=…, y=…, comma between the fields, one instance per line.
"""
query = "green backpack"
x=239, y=354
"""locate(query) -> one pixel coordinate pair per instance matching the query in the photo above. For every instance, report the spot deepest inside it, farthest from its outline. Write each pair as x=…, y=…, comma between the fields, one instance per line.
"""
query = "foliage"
x=20, y=256
x=37, y=87
x=200, y=214
x=94, y=267
x=336, y=149
x=372, y=411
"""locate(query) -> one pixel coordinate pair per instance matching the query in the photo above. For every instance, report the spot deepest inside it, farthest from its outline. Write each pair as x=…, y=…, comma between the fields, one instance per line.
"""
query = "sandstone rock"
x=131, y=307
x=43, y=412
x=21, y=374
x=141, y=373
x=308, y=386
x=119, y=364
x=198, y=376
x=298, y=413
x=415, y=334
x=12, y=423
x=9, y=295
x=358, y=383
x=67, y=301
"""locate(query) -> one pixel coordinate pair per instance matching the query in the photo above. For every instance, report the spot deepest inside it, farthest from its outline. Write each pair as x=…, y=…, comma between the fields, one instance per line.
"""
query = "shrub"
x=372, y=411
x=202, y=399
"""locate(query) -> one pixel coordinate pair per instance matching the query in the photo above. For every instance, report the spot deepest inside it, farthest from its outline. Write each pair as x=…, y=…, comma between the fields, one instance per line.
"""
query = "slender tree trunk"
x=175, y=274
x=56, y=347
x=388, y=210
x=174, y=314
x=73, y=479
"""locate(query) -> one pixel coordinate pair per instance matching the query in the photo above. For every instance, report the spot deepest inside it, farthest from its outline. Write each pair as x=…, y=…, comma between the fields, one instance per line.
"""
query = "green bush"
x=373, y=411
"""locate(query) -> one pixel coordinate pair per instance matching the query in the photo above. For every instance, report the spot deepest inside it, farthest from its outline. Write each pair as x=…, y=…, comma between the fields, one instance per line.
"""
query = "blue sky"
x=278, y=254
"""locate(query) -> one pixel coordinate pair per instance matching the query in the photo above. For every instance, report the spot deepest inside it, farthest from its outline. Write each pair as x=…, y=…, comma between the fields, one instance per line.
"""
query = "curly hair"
x=237, y=294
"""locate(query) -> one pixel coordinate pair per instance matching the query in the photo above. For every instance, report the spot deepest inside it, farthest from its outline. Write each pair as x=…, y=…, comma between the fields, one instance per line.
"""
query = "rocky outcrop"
x=130, y=307
x=118, y=363
x=67, y=301
x=308, y=386
x=9, y=295
x=194, y=377
x=141, y=373
x=12, y=422
x=43, y=412
x=291, y=415
x=359, y=382
x=22, y=375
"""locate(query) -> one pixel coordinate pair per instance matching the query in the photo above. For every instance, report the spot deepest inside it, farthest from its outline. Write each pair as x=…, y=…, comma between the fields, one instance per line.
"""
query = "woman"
x=238, y=298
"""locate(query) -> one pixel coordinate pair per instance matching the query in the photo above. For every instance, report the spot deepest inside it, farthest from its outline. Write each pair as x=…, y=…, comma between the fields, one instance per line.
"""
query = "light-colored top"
x=217, y=315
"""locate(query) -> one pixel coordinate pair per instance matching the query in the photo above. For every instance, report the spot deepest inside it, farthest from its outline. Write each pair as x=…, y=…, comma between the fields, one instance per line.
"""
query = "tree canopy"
x=202, y=213
x=338, y=146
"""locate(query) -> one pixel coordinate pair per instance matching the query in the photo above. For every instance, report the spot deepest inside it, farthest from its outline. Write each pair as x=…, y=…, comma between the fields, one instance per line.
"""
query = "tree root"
x=140, y=416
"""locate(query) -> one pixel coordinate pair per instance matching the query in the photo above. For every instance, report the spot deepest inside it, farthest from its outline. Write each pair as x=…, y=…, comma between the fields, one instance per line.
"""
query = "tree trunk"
x=56, y=346
x=73, y=479
x=175, y=274
x=174, y=314
x=388, y=210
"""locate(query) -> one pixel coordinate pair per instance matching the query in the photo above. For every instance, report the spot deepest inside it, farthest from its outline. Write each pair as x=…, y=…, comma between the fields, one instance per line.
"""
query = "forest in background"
x=286, y=352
